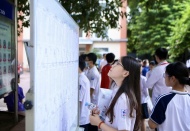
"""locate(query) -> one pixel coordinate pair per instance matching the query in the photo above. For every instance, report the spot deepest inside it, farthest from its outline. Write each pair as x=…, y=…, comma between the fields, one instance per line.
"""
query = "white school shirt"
x=148, y=74
x=95, y=79
x=113, y=85
x=84, y=96
x=156, y=81
x=144, y=90
x=122, y=119
x=171, y=112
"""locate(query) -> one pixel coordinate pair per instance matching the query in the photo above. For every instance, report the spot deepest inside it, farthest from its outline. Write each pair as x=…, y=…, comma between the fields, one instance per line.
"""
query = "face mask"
x=86, y=63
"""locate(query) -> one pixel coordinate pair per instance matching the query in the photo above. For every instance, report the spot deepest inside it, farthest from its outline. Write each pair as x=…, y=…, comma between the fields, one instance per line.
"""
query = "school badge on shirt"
x=123, y=113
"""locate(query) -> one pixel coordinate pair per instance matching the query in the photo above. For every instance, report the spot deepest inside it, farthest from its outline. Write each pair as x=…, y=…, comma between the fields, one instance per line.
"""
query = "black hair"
x=82, y=64
x=145, y=62
x=110, y=57
x=83, y=56
x=131, y=87
x=104, y=55
x=116, y=60
x=92, y=57
x=139, y=60
x=152, y=63
x=161, y=53
x=180, y=71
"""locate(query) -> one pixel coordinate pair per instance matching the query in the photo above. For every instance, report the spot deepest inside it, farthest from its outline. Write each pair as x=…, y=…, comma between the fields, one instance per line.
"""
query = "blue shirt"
x=9, y=100
x=145, y=70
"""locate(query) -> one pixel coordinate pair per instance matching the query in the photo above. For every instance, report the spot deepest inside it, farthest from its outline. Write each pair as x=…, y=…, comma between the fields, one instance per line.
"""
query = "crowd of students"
x=130, y=80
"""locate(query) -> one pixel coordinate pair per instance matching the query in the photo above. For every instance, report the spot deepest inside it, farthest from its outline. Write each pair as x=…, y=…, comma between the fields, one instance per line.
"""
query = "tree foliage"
x=154, y=25
x=180, y=36
x=93, y=16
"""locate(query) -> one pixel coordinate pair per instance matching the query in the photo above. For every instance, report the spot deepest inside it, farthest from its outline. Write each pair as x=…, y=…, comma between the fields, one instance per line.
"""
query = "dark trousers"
x=86, y=127
x=92, y=128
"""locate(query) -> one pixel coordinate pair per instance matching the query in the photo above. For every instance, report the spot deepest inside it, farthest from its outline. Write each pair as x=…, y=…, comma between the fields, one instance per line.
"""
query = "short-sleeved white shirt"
x=84, y=96
x=95, y=79
x=144, y=90
x=122, y=119
x=156, y=81
x=172, y=111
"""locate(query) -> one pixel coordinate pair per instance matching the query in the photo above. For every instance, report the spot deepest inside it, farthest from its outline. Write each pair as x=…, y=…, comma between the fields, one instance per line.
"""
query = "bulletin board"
x=7, y=47
x=54, y=68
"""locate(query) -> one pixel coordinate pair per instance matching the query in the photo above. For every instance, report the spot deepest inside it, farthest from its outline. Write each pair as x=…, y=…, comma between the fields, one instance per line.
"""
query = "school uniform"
x=94, y=78
x=84, y=96
x=156, y=81
x=148, y=74
x=144, y=97
x=113, y=85
x=171, y=111
x=122, y=119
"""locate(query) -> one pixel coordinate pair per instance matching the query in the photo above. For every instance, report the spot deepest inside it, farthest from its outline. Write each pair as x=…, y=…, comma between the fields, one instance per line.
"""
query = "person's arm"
x=93, y=83
x=153, y=78
x=151, y=124
x=95, y=120
x=158, y=115
x=145, y=89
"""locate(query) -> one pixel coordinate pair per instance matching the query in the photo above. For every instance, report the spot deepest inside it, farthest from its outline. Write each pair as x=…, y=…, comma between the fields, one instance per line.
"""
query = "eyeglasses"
x=118, y=63
x=165, y=74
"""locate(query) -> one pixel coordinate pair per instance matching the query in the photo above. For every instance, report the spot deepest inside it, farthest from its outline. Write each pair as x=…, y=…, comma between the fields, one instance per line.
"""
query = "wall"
x=112, y=47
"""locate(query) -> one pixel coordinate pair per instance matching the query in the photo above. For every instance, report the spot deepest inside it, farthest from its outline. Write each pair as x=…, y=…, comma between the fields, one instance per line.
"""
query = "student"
x=171, y=111
x=103, y=62
x=9, y=100
x=94, y=78
x=144, y=102
x=106, y=82
x=124, y=112
x=83, y=57
x=151, y=66
x=144, y=99
x=149, y=102
x=156, y=81
x=84, y=96
x=145, y=67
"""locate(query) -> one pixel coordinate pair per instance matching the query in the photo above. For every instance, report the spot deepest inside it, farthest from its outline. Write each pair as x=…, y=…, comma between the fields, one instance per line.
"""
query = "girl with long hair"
x=124, y=111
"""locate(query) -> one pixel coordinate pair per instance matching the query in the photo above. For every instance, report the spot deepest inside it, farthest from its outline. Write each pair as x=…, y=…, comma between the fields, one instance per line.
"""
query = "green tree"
x=180, y=35
x=151, y=25
x=91, y=15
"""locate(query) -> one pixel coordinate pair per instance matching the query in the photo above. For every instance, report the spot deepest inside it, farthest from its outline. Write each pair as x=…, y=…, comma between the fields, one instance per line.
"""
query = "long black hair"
x=131, y=87
x=180, y=71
